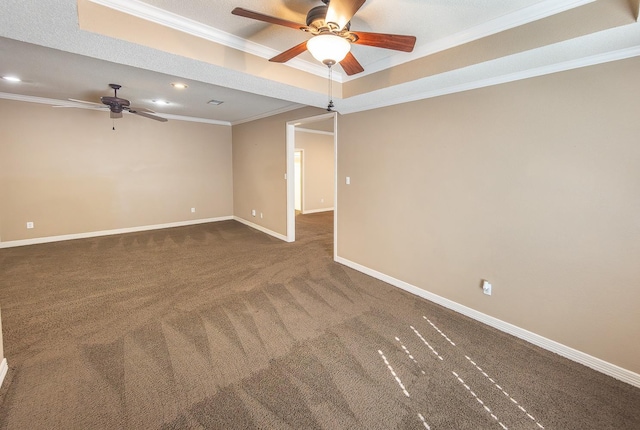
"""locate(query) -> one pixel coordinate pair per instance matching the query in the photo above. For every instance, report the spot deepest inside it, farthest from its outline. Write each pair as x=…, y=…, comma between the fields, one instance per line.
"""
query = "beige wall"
x=533, y=185
x=318, y=170
x=259, y=165
x=69, y=172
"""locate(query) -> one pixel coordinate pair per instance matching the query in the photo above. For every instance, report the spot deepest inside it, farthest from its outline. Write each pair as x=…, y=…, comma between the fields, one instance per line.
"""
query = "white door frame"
x=301, y=179
x=291, y=138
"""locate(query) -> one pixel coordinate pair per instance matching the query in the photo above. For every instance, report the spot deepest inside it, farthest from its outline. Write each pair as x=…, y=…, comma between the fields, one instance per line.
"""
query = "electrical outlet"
x=486, y=287
x=30, y=224
x=321, y=200
x=253, y=212
x=193, y=210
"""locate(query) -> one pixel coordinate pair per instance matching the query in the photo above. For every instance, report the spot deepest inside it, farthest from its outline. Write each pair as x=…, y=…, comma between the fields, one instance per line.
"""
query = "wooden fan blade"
x=290, y=53
x=351, y=65
x=266, y=18
x=388, y=41
x=340, y=12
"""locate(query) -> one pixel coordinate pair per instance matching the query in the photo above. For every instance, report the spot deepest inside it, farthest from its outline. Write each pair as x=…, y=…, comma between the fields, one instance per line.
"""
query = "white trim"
x=291, y=128
x=168, y=19
x=193, y=119
x=4, y=367
x=312, y=119
x=592, y=60
x=185, y=25
x=290, y=181
x=68, y=103
x=268, y=114
x=71, y=104
x=301, y=179
x=312, y=131
x=315, y=211
x=515, y=19
x=602, y=366
x=335, y=186
x=261, y=228
x=42, y=100
x=49, y=239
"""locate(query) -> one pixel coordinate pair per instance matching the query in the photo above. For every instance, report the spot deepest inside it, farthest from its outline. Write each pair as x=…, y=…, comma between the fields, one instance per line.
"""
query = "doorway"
x=326, y=123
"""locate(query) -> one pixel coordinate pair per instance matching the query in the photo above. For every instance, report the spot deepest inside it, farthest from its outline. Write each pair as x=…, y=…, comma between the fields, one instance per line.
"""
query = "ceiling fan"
x=332, y=21
x=117, y=105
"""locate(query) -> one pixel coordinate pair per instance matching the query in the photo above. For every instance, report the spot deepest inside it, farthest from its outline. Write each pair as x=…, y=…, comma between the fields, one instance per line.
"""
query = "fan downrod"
x=115, y=88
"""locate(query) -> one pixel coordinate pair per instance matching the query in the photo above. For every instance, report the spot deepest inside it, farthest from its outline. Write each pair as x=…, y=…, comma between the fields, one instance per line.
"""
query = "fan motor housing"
x=316, y=16
x=316, y=21
x=116, y=104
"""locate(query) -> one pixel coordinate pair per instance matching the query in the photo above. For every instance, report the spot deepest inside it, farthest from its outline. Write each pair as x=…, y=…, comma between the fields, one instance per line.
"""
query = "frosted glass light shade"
x=329, y=49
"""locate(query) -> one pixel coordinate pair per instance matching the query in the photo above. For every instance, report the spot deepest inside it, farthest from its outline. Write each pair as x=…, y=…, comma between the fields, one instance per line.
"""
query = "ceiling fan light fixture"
x=329, y=49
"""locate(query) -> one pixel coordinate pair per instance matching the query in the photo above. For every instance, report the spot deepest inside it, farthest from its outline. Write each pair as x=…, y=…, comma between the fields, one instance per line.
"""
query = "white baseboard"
x=48, y=239
x=3, y=370
x=315, y=211
x=602, y=366
x=261, y=228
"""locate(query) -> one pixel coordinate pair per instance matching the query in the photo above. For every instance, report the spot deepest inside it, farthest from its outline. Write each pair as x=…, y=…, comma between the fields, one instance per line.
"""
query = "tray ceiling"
x=74, y=49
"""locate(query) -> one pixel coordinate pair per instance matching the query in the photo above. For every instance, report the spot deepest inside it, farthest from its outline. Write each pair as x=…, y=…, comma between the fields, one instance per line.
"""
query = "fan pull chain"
x=330, y=105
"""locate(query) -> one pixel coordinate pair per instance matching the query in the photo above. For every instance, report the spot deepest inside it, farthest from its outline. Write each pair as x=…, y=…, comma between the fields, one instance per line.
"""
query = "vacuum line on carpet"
x=504, y=392
x=406, y=350
x=438, y=330
x=424, y=422
x=404, y=390
x=425, y=342
x=486, y=408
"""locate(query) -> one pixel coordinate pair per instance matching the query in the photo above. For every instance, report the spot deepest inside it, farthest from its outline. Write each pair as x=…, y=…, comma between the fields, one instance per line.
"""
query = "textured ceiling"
x=427, y=20
x=75, y=48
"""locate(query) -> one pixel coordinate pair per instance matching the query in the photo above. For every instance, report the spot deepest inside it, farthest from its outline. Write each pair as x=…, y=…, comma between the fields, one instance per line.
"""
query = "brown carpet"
x=218, y=326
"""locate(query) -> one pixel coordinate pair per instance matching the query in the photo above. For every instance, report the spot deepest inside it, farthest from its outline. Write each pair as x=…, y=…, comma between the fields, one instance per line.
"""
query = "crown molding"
x=193, y=119
x=68, y=103
x=171, y=20
x=162, y=17
x=592, y=60
x=268, y=114
x=515, y=19
x=41, y=100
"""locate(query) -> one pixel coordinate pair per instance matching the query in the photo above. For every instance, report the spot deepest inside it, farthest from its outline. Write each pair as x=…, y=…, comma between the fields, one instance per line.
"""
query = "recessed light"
x=179, y=85
x=160, y=102
x=215, y=102
x=12, y=79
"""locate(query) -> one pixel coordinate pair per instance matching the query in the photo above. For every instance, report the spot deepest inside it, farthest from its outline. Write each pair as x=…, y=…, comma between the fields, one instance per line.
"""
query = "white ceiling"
x=41, y=41
x=429, y=21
